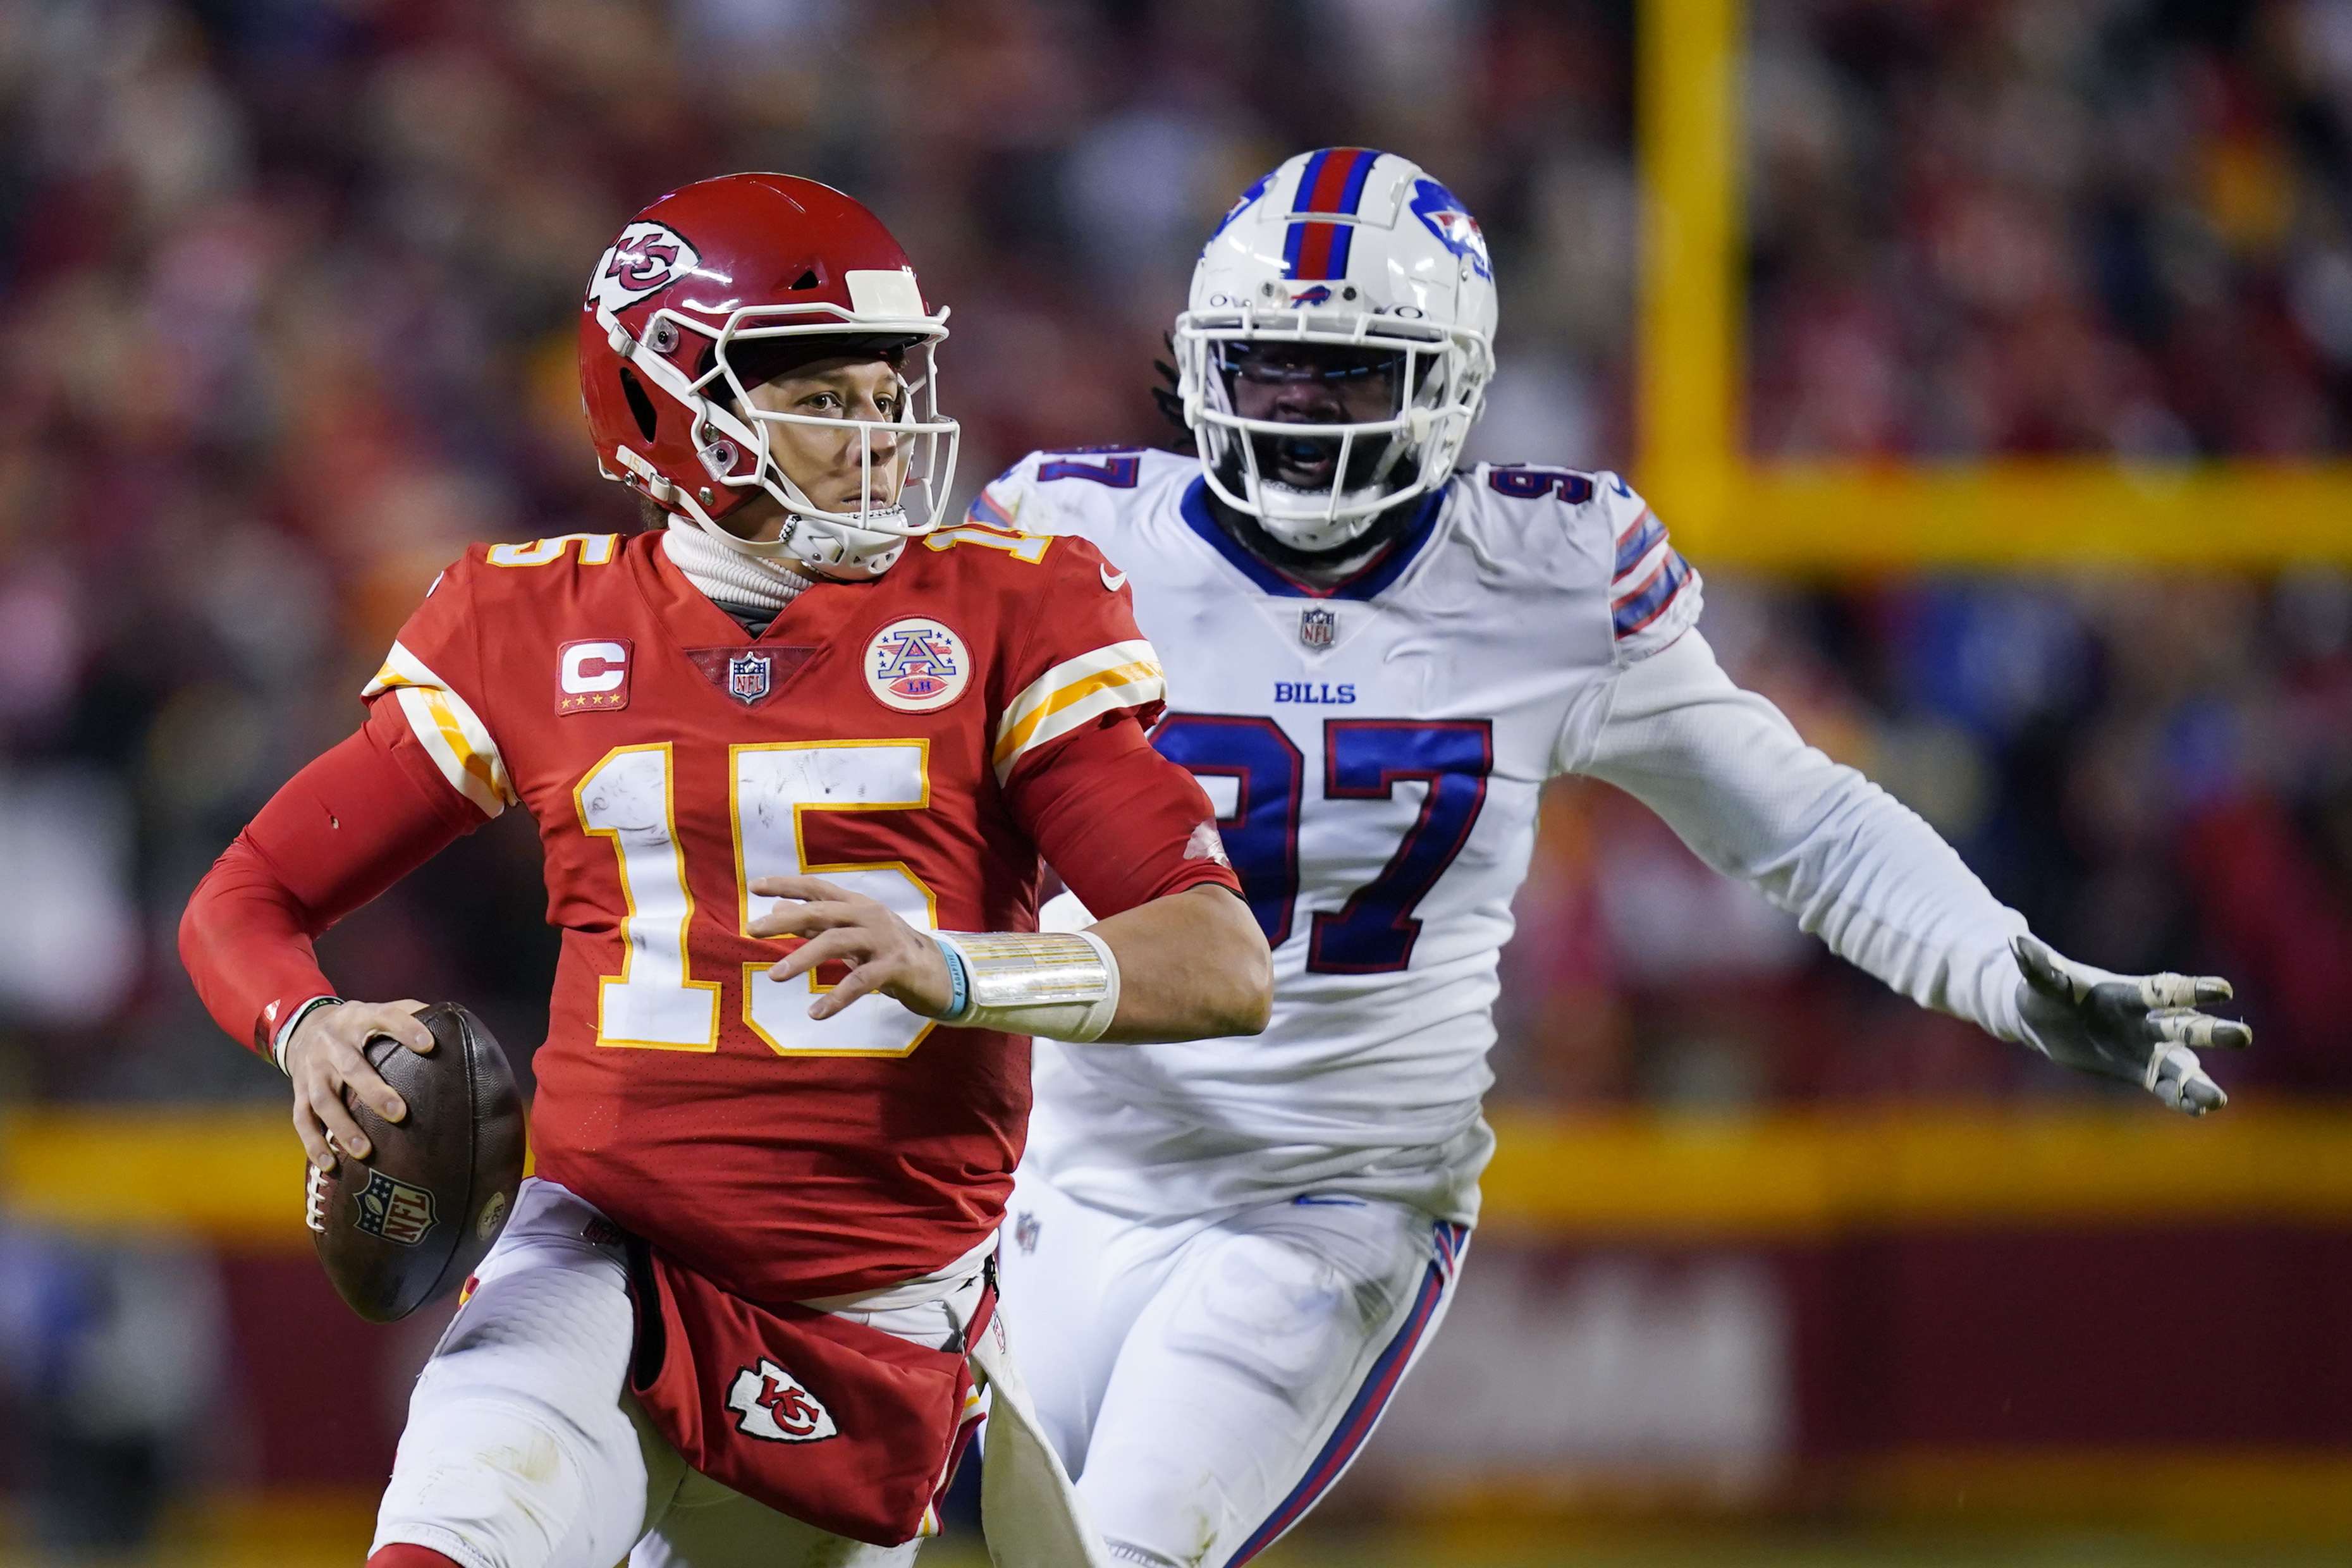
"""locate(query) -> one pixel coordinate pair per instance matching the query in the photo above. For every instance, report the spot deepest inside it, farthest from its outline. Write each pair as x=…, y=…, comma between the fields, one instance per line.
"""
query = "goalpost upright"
x=1845, y=514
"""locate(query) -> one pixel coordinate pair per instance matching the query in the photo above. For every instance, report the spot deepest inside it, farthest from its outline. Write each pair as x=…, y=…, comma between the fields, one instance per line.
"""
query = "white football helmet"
x=1355, y=249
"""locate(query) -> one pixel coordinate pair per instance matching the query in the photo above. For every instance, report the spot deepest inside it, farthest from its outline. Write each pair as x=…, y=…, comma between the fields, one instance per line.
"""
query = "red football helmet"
x=697, y=291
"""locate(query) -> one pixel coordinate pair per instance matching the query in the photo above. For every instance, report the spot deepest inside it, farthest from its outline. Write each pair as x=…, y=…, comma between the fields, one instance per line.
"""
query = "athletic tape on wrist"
x=286, y=1032
x=1063, y=986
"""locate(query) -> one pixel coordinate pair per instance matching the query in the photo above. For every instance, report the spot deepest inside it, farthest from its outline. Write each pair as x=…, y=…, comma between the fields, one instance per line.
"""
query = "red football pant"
x=400, y=1554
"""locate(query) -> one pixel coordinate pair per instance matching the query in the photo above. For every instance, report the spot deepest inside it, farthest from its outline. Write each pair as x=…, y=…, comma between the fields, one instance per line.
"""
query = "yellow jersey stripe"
x=449, y=729
x=1075, y=692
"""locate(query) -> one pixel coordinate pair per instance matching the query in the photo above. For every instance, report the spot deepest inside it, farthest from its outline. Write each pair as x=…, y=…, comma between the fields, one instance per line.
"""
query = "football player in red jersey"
x=731, y=1317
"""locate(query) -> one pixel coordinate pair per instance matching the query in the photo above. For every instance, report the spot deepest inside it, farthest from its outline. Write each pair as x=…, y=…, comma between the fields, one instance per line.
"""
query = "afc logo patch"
x=393, y=1209
x=771, y=1405
x=1318, y=627
x=592, y=676
x=916, y=665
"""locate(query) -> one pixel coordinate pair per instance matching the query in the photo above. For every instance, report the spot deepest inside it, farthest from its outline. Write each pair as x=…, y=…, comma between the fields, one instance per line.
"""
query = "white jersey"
x=1375, y=754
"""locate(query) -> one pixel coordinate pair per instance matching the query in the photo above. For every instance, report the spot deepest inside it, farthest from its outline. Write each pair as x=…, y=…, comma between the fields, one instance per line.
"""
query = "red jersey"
x=897, y=736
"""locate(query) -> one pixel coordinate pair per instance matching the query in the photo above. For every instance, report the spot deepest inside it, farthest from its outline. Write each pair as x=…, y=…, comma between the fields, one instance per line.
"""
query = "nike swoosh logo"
x=1112, y=580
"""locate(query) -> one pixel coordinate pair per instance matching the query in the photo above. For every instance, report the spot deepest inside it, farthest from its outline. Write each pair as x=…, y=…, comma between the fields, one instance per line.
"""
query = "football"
x=409, y=1224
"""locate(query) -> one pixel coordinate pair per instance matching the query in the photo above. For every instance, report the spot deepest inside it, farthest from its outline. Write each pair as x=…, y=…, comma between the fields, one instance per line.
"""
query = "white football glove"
x=2136, y=1028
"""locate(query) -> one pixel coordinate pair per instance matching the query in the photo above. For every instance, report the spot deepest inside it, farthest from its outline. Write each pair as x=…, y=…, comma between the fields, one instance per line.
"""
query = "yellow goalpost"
x=1726, y=507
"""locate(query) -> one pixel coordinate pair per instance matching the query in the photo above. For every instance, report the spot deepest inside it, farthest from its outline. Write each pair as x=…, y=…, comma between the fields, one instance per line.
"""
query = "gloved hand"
x=2136, y=1028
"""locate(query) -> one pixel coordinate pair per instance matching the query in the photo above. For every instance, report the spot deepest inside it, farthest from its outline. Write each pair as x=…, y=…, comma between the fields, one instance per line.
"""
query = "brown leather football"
x=410, y=1223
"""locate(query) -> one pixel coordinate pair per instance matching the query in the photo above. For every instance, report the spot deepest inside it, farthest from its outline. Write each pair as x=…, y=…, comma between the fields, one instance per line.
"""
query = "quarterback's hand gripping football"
x=883, y=953
x=2141, y=1028
x=326, y=1057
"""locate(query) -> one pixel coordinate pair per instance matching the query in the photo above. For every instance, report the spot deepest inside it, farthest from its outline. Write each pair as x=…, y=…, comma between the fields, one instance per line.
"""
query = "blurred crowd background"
x=287, y=295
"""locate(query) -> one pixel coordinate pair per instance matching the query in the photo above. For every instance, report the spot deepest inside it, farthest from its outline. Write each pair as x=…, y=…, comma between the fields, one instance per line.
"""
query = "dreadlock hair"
x=1170, y=405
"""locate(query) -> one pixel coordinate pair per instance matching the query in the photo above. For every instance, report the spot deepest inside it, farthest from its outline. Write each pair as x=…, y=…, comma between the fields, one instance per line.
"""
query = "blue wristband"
x=960, y=994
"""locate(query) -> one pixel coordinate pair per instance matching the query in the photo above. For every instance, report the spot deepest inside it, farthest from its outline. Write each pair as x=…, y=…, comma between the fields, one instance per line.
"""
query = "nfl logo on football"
x=394, y=1209
x=1318, y=627
x=747, y=678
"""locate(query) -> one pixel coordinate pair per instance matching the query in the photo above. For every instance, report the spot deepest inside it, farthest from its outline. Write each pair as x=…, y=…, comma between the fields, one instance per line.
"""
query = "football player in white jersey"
x=1236, y=1249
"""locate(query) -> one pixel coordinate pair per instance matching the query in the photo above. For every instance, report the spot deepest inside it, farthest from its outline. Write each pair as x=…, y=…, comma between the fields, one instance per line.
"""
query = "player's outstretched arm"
x=1190, y=965
x=1863, y=872
x=2136, y=1028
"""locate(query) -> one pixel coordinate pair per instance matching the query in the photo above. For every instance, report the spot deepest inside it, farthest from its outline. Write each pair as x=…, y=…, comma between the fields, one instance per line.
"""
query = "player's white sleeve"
x=1858, y=868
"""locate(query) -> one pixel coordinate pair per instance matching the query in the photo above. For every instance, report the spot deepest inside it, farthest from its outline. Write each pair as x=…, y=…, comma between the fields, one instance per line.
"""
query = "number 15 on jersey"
x=653, y=1004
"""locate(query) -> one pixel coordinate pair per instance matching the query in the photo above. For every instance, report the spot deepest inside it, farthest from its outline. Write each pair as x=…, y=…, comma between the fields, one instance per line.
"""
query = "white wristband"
x=285, y=1035
x=1063, y=986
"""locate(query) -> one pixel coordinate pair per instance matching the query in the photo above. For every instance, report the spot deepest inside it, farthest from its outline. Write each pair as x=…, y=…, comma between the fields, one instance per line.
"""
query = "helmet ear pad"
x=641, y=405
x=645, y=435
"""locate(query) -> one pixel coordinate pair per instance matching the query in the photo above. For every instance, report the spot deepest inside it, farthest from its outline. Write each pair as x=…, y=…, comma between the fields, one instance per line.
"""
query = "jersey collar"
x=1364, y=584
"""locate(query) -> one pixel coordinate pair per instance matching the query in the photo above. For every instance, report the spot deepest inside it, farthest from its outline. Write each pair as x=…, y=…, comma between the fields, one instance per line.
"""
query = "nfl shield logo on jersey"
x=747, y=678
x=1318, y=627
x=772, y=1404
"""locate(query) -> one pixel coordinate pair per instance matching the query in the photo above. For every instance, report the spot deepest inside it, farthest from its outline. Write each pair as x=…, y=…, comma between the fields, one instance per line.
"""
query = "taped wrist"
x=1063, y=986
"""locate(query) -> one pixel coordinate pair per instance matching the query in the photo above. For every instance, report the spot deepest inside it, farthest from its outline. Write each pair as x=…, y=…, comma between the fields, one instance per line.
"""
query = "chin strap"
x=1321, y=567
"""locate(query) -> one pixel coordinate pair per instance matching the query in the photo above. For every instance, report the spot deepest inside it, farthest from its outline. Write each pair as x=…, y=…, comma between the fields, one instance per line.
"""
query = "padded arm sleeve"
x=359, y=817
x=1858, y=868
x=1120, y=823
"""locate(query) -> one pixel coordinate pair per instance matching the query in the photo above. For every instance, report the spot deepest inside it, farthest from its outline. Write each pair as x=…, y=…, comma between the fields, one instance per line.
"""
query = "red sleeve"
x=1121, y=824
x=1081, y=661
x=359, y=817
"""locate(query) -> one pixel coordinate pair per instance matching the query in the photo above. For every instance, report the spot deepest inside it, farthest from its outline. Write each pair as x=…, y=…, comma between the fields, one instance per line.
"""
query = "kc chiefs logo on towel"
x=772, y=1404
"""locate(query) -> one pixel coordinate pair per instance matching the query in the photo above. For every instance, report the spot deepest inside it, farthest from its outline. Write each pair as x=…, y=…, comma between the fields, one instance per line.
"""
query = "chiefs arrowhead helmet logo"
x=648, y=258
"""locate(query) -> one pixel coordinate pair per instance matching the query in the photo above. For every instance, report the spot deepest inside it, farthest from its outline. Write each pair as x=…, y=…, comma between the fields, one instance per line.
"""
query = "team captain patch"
x=916, y=665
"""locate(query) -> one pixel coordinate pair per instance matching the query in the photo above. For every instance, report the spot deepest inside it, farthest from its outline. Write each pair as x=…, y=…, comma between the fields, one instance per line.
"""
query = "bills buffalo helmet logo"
x=1242, y=205
x=646, y=259
x=1450, y=222
x=1320, y=294
x=773, y=1405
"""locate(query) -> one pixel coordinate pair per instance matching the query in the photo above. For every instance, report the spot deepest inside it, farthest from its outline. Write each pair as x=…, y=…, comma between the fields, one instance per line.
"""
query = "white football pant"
x=1206, y=1380
x=524, y=1450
